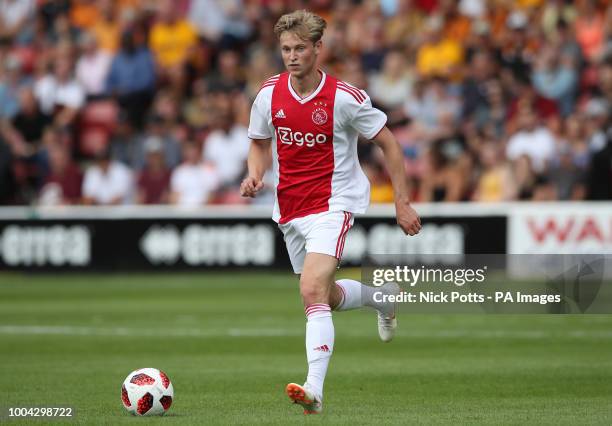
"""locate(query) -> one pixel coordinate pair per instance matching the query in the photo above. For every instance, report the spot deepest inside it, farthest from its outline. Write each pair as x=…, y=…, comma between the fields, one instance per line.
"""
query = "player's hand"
x=250, y=186
x=407, y=218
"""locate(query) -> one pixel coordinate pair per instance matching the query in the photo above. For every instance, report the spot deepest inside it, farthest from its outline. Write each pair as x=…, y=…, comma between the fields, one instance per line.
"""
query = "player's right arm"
x=260, y=152
x=258, y=161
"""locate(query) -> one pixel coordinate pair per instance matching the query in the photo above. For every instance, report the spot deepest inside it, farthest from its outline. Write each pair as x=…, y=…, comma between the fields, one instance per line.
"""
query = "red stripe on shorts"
x=348, y=226
x=344, y=225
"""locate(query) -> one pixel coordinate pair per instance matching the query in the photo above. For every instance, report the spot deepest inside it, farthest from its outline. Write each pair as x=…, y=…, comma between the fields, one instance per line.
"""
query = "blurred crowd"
x=142, y=101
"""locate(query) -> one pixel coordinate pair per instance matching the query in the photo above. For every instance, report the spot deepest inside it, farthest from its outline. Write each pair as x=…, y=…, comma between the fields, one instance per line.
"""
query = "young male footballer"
x=306, y=123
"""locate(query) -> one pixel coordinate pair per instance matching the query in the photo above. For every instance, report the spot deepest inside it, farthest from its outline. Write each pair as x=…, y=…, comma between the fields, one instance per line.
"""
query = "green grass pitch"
x=231, y=341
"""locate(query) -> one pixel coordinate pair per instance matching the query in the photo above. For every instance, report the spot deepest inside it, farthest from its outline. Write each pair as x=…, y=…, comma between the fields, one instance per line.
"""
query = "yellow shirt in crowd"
x=171, y=43
x=439, y=58
x=107, y=34
x=381, y=193
x=491, y=186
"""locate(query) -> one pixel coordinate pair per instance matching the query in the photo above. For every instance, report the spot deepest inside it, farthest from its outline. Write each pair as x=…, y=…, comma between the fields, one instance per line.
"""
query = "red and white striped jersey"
x=314, y=145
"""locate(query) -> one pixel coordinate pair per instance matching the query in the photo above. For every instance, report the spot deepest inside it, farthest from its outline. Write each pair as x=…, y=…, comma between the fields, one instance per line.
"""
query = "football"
x=147, y=392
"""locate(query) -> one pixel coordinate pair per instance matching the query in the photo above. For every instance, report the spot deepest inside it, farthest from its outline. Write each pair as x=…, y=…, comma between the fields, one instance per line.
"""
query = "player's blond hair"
x=306, y=25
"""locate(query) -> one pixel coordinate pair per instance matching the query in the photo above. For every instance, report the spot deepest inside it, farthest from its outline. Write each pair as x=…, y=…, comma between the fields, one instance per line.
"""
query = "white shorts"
x=316, y=233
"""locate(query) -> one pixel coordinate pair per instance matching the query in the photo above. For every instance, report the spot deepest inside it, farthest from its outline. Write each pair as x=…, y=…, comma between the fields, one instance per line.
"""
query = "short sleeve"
x=364, y=118
x=258, y=124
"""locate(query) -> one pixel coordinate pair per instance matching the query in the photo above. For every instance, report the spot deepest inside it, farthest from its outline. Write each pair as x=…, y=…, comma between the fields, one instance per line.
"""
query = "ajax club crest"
x=319, y=116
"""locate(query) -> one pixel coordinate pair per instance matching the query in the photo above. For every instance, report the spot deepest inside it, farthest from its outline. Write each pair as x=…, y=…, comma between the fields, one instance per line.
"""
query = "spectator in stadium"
x=390, y=87
x=16, y=19
x=226, y=148
x=171, y=137
x=473, y=9
x=107, y=182
x=590, y=29
x=92, y=67
x=574, y=137
x=371, y=42
x=266, y=44
x=166, y=106
x=107, y=28
x=193, y=183
x=63, y=184
x=198, y=109
x=261, y=65
x=49, y=12
x=565, y=44
x=457, y=24
x=493, y=119
x=528, y=184
x=60, y=94
x=10, y=82
x=517, y=47
x=442, y=178
x=566, y=178
x=438, y=55
x=434, y=109
x=555, y=77
x=495, y=182
x=84, y=13
x=477, y=89
x=230, y=77
x=126, y=144
x=154, y=180
x=165, y=121
x=130, y=146
x=353, y=72
x=223, y=23
x=404, y=24
x=24, y=132
x=208, y=18
x=532, y=139
x=61, y=28
x=550, y=56
x=172, y=38
x=131, y=79
x=524, y=96
x=597, y=114
x=479, y=38
x=556, y=13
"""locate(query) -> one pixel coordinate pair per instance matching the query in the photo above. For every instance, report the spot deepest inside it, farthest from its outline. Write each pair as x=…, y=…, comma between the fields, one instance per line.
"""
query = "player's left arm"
x=407, y=217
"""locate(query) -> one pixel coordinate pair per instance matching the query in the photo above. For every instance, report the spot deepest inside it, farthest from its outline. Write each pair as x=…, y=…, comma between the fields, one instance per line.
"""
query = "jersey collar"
x=309, y=97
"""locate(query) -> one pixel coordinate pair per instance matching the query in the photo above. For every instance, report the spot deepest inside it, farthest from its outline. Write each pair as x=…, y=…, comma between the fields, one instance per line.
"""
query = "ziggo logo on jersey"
x=289, y=137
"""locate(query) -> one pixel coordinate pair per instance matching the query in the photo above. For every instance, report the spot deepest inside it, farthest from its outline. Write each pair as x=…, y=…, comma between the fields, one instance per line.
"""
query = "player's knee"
x=313, y=292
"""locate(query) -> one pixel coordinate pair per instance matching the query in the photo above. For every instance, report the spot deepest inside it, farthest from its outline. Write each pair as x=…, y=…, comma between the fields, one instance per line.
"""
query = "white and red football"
x=147, y=392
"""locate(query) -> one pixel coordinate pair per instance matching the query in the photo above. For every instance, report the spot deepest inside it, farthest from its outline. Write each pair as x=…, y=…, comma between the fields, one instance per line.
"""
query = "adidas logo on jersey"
x=280, y=114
